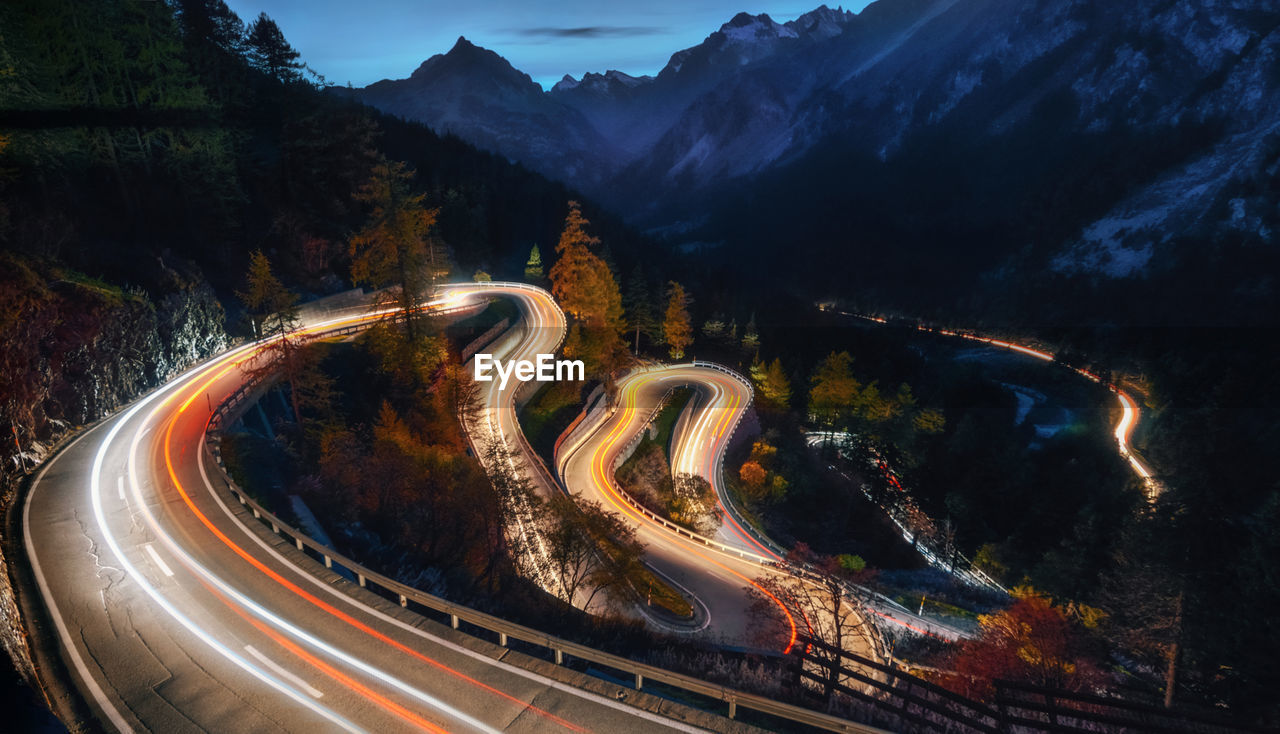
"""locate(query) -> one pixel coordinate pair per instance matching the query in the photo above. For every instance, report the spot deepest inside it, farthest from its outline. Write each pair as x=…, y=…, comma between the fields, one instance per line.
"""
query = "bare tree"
x=589, y=549
x=273, y=310
x=518, y=528
x=821, y=602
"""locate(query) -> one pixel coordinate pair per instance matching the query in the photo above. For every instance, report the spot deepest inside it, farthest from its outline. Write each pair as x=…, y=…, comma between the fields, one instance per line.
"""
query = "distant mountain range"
x=1161, y=116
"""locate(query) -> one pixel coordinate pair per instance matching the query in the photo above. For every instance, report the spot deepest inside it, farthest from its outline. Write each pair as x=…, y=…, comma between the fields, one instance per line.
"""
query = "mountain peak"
x=467, y=60
x=747, y=28
x=743, y=19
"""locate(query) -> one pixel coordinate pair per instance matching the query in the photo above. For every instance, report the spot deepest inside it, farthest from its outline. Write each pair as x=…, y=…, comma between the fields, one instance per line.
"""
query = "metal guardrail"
x=679, y=529
x=504, y=630
x=803, y=570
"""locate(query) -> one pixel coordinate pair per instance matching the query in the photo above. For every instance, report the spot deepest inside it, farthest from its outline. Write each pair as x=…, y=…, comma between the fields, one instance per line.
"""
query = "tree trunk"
x=1171, y=672
x=291, y=372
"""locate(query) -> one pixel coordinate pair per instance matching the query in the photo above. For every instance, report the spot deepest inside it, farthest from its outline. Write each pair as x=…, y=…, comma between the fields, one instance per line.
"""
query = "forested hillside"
x=146, y=148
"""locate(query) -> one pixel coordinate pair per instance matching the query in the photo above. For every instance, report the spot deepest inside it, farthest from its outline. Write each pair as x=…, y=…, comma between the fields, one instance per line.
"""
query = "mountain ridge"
x=902, y=76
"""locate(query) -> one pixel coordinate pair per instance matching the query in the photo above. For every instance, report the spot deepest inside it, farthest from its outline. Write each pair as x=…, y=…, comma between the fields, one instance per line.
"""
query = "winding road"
x=176, y=611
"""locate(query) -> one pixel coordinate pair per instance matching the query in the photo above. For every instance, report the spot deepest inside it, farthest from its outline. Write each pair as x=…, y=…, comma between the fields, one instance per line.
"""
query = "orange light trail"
x=321, y=604
x=603, y=481
x=355, y=686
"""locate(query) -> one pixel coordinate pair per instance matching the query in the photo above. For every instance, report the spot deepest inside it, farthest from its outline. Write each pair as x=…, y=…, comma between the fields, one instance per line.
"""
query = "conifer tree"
x=636, y=303
x=270, y=53
x=834, y=389
x=395, y=247
x=751, y=337
x=533, y=267
x=677, y=327
x=587, y=291
x=772, y=381
x=274, y=312
x=580, y=280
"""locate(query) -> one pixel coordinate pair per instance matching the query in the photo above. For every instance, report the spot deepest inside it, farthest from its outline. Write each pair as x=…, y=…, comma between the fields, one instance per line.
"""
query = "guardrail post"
x=502, y=639
x=298, y=542
x=275, y=528
x=360, y=578
x=328, y=562
x=403, y=601
x=256, y=514
x=639, y=681
x=559, y=657
x=733, y=707
x=453, y=621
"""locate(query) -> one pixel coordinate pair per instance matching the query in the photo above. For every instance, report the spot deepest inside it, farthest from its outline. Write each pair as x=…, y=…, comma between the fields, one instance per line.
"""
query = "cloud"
x=594, y=31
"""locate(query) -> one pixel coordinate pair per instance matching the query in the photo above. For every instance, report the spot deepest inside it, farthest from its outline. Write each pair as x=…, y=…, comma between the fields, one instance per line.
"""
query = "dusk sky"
x=362, y=42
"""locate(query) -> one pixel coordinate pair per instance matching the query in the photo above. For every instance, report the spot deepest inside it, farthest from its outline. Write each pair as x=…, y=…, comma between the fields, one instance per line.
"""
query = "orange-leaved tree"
x=677, y=327
x=586, y=289
x=395, y=248
x=1033, y=641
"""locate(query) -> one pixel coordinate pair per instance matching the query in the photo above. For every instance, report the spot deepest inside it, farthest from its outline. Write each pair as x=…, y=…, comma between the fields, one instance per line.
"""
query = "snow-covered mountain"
x=1186, y=91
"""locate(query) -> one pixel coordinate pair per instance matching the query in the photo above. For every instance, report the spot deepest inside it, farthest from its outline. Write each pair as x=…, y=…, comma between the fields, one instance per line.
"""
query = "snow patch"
x=1110, y=245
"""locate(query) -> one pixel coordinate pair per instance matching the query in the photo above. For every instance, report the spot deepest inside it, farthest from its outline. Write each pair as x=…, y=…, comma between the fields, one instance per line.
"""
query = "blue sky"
x=362, y=42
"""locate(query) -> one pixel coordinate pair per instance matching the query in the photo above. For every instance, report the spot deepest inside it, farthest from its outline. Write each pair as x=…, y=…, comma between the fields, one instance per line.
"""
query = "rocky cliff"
x=76, y=349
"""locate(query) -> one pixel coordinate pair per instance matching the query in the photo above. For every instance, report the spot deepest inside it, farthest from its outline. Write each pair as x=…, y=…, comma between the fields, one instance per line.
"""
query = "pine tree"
x=750, y=337
x=677, y=327
x=270, y=53
x=271, y=306
x=581, y=281
x=587, y=291
x=774, y=386
x=533, y=267
x=636, y=304
x=214, y=36
x=395, y=247
x=274, y=312
x=834, y=390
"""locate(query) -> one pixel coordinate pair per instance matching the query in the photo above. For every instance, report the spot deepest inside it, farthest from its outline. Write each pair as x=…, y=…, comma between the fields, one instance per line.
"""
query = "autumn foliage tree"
x=273, y=310
x=395, y=248
x=819, y=605
x=586, y=289
x=833, y=389
x=677, y=327
x=1033, y=641
x=752, y=474
x=774, y=386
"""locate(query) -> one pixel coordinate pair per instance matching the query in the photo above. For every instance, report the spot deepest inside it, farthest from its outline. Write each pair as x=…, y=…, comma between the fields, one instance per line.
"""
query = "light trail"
x=604, y=457
x=95, y=491
x=1129, y=412
x=219, y=371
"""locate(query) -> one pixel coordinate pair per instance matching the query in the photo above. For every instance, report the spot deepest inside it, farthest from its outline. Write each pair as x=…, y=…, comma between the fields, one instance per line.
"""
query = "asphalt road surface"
x=175, y=614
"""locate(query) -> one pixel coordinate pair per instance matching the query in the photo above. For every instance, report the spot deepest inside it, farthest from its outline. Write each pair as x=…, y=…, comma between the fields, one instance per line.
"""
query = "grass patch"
x=473, y=326
x=660, y=594
x=551, y=411
x=646, y=476
x=665, y=422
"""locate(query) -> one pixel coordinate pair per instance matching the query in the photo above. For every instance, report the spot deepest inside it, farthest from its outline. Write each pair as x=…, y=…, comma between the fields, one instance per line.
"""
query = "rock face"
x=77, y=349
x=74, y=350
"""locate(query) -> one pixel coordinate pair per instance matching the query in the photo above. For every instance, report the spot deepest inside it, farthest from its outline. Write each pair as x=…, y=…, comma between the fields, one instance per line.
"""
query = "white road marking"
x=155, y=557
x=280, y=671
